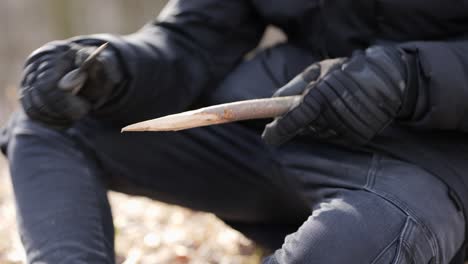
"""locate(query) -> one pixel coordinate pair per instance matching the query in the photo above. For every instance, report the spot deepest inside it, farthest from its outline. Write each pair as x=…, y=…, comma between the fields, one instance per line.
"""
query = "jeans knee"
x=32, y=148
x=22, y=133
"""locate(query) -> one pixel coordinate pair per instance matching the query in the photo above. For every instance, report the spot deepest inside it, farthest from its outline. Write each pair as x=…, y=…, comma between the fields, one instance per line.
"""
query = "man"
x=370, y=167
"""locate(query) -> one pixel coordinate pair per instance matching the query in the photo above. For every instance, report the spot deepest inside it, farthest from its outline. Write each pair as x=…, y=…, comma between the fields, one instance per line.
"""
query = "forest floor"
x=147, y=232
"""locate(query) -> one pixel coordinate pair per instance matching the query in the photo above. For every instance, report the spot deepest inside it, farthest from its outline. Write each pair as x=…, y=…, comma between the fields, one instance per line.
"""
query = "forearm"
x=159, y=77
x=188, y=49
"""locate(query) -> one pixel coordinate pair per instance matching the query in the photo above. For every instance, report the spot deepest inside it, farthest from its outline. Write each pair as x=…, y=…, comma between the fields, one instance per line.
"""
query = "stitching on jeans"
x=398, y=255
x=370, y=181
x=408, y=249
x=370, y=178
x=385, y=250
x=408, y=229
x=430, y=236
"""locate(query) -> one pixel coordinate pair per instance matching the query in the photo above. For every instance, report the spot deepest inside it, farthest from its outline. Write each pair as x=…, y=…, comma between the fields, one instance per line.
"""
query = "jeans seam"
x=377, y=258
x=371, y=178
x=408, y=229
x=401, y=240
x=408, y=249
x=431, y=238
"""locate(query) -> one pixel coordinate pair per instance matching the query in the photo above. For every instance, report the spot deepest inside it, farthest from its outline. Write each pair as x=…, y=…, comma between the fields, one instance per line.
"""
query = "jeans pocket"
x=411, y=246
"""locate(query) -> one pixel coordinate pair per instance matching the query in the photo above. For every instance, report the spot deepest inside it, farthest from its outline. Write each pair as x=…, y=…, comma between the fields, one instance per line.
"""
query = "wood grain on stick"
x=218, y=114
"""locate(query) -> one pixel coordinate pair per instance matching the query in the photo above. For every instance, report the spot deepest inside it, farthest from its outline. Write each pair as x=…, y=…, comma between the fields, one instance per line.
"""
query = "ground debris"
x=154, y=232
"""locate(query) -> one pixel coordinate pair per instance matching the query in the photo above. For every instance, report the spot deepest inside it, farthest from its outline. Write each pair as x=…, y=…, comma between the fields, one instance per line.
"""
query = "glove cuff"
x=410, y=96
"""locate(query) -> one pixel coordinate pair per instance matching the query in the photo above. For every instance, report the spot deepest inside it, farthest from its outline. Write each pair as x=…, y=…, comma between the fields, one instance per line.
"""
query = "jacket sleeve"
x=441, y=100
x=188, y=49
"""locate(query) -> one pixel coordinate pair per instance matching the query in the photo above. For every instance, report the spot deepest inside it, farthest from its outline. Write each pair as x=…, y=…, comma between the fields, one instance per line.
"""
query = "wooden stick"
x=218, y=114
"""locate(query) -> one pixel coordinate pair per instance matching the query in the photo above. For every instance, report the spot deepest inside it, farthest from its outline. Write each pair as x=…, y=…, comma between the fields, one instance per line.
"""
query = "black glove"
x=44, y=101
x=347, y=100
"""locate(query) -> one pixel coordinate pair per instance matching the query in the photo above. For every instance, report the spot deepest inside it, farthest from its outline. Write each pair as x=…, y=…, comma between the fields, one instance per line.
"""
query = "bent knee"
x=27, y=136
x=356, y=227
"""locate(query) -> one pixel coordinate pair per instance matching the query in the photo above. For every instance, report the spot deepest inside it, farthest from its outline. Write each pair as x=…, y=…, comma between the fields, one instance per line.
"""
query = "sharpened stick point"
x=218, y=114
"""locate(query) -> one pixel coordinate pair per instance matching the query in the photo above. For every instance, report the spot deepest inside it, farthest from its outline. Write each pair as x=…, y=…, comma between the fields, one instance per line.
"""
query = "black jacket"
x=192, y=45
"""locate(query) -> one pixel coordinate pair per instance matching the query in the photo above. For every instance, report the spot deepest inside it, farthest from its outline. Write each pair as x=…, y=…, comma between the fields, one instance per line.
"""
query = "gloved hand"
x=45, y=102
x=347, y=100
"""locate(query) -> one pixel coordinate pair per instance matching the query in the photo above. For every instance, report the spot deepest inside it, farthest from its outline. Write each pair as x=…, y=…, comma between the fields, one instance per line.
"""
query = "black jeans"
x=337, y=205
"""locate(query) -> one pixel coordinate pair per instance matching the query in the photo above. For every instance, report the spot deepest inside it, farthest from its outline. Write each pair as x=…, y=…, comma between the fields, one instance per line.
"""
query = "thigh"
x=225, y=170
x=261, y=74
x=425, y=198
x=369, y=209
x=355, y=226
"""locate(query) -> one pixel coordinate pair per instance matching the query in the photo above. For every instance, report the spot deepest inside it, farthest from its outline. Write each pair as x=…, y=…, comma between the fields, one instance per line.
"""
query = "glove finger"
x=286, y=127
x=50, y=103
x=354, y=108
x=110, y=66
x=362, y=98
x=45, y=106
x=329, y=124
x=82, y=53
x=345, y=117
x=312, y=73
x=37, y=112
x=33, y=66
x=299, y=83
x=44, y=74
x=66, y=107
x=320, y=129
x=50, y=49
x=61, y=108
x=98, y=84
x=295, y=87
x=27, y=82
x=45, y=65
x=59, y=65
x=104, y=74
x=47, y=80
x=66, y=62
x=307, y=79
x=272, y=136
x=29, y=74
x=75, y=107
x=339, y=128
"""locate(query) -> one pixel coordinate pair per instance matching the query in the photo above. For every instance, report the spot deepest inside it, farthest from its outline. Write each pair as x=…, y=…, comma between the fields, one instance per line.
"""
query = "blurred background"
x=146, y=231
